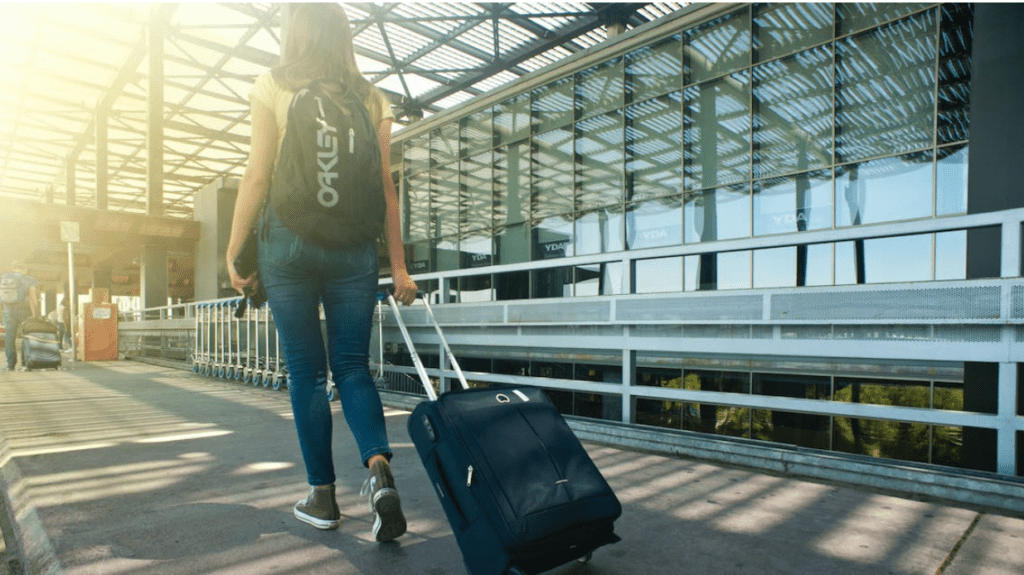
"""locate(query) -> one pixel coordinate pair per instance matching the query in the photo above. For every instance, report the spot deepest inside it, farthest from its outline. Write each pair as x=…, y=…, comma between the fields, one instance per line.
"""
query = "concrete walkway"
x=120, y=468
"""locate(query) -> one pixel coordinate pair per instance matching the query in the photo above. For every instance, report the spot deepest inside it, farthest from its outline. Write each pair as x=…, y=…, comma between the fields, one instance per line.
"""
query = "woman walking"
x=300, y=276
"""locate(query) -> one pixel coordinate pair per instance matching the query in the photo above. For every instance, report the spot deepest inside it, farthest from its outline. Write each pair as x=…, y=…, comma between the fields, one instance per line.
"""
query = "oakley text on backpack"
x=328, y=186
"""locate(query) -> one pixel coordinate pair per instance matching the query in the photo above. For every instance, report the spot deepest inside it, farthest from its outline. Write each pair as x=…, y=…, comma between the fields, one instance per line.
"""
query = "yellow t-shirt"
x=269, y=93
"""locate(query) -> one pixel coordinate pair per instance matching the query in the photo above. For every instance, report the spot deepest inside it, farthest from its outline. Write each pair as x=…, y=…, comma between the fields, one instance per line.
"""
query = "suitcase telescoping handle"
x=412, y=348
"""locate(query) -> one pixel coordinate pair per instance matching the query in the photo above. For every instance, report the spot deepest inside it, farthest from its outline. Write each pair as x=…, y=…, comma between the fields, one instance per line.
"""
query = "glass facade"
x=774, y=119
x=733, y=155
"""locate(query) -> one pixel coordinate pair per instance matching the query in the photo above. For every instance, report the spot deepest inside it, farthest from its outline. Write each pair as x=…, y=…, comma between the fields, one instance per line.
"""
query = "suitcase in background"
x=40, y=344
x=519, y=490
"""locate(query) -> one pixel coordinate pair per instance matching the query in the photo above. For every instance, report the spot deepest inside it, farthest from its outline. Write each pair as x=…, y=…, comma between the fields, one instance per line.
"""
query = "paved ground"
x=120, y=468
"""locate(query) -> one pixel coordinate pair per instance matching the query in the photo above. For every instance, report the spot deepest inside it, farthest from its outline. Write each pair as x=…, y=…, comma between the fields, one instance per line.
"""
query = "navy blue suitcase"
x=519, y=490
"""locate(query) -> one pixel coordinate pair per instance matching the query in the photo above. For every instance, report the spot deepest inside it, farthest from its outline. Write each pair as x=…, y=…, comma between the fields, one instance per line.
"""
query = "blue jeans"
x=14, y=314
x=299, y=277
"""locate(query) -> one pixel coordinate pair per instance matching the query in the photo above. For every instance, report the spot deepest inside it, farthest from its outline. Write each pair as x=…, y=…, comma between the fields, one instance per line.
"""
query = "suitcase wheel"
x=586, y=558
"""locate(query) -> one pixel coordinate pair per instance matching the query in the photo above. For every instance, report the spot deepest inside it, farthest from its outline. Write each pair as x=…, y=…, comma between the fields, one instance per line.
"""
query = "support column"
x=628, y=381
x=102, y=177
x=70, y=173
x=1006, y=440
x=153, y=277
x=155, y=120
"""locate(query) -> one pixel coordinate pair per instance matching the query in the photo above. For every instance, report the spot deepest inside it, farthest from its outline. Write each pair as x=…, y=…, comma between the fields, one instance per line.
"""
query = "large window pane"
x=718, y=47
x=512, y=119
x=599, y=231
x=793, y=204
x=884, y=392
x=446, y=254
x=716, y=137
x=654, y=133
x=599, y=150
x=885, y=190
x=802, y=429
x=855, y=16
x=885, y=260
x=553, y=282
x=955, y=47
x=444, y=144
x=599, y=279
x=951, y=180
x=445, y=200
x=477, y=134
x=553, y=105
x=718, y=214
x=781, y=29
x=654, y=223
x=793, y=113
x=662, y=275
x=884, y=439
x=819, y=267
x=417, y=154
x=476, y=249
x=512, y=244
x=775, y=268
x=512, y=184
x=654, y=70
x=553, y=180
x=885, y=89
x=417, y=207
x=951, y=255
x=552, y=237
x=600, y=88
x=477, y=193
x=732, y=271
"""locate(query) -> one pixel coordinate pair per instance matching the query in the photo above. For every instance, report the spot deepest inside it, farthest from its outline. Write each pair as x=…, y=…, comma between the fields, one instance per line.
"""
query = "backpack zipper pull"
x=351, y=141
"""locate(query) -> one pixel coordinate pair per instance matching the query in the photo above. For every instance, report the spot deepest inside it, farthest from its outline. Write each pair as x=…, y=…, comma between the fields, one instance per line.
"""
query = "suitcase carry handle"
x=412, y=348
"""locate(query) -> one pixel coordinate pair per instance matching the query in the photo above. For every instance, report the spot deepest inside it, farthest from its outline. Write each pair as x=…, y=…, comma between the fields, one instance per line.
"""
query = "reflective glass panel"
x=951, y=180
x=512, y=184
x=477, y=132
x=553, y=105
x=802, y=429
x=884, y=190
x=700, y=417
x=553, y=180
x=659, y=413
x=793, y=203
x=553, y=282
x=417, y=154
x=733, y=271
x=552, y=237
x=600, y=88
x=418, y=257
x=819, y=267
x=444, y=144
x=599, y=231
x=654, y=134
x=512, y=119
x=885, y=260
x=884, y=392
x=781, y=29
x=512, y=286
x=654, y=223
x=775, y=268
x=476, y=248
x=716, y=132
x=717, y=214
x=445, y=200
x=726, y=381
x=883, y=439
x=662, y=275
x=948, y=395
x=599, y=279
x=477, y=193
x=793, y=113
x=512, y=244
x=885, y=89
x=599, y=166
x=955, y=46
x=717, y=47
x=855, y=16
x=654, y=69
x=446, y=254
x=951, y=255
x=948, y=446
x=792, y=385
x=417, y=207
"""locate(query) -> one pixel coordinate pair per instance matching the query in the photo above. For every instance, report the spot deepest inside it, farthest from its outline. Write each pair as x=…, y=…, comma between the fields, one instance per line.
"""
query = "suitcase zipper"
x=469, y=476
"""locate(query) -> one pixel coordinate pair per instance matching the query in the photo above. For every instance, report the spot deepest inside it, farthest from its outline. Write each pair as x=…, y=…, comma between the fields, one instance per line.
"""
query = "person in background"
x=300, y=276
x=19, y=293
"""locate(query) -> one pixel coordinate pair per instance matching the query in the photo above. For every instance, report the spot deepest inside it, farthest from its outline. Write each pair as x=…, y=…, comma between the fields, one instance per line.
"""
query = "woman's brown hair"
x=319, y=46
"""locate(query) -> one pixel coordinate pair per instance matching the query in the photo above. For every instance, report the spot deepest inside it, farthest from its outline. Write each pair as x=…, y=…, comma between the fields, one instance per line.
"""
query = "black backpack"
x=327, y=185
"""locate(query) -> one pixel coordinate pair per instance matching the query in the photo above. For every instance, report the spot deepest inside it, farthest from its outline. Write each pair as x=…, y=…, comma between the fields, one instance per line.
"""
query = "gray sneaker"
x=379, y=489
x=319, y=508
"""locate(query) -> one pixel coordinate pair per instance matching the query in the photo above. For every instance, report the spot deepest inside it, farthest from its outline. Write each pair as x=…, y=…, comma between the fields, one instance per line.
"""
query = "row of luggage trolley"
x=244, y=348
